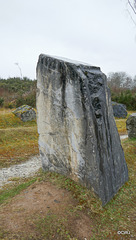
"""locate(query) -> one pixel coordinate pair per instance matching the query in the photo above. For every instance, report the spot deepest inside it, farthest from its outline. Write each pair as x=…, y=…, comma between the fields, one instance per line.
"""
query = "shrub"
x=29, y=99
x=125, y=97
x=20, y=101
x=8, y=105
x=1, y=102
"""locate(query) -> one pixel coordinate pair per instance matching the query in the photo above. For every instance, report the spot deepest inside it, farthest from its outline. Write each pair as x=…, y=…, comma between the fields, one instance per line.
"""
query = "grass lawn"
x=9, y=120
x=18, y=140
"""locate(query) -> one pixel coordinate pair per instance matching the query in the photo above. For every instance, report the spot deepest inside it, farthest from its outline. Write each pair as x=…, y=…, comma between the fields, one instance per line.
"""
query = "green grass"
x=17, y=145
x=121, y=126
x=9, y=193
x=51, y=225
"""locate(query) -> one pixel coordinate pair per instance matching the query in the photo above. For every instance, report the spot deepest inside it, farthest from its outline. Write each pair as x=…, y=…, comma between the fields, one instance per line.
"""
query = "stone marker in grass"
x=25, y=113
x=131, y=125
x=77, y=132
x=119, y=110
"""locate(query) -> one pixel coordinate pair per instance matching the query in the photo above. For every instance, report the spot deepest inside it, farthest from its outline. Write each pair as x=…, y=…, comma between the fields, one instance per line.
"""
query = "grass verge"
x=18, y=140
x=17, y=145
x=13, y=191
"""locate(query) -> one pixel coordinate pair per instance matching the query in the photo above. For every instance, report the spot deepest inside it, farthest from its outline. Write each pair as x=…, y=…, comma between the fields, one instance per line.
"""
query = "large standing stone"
x=77, y=132
x=119, y=110
x=131, y=125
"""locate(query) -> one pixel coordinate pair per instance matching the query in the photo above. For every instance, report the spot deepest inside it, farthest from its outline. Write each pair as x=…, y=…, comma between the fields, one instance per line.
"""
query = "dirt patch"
x=37, y=210
x=81, y=226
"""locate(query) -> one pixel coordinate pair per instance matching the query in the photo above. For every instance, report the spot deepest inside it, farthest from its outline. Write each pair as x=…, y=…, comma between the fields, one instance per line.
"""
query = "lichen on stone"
x=25, y=113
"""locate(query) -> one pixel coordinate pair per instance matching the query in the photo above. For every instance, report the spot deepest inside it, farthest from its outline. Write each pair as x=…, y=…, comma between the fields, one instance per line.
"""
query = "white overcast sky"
x=98, y=32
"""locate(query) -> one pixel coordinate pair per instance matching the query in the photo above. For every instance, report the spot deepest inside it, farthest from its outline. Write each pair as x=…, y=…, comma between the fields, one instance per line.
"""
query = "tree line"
x=123, y=89
x=16, y=91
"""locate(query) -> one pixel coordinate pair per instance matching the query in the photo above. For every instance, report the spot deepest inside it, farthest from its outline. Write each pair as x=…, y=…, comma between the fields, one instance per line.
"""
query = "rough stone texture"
x=119, y=110
x=77, y=132
x=131, y=125
x=25, y=113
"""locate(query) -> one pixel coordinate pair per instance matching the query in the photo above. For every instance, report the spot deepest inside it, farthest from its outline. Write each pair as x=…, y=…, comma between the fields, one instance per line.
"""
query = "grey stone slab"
x=77, y=132
x=119, y=110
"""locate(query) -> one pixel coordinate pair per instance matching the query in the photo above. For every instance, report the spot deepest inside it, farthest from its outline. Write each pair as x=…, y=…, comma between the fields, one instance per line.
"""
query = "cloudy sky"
x=98, y=32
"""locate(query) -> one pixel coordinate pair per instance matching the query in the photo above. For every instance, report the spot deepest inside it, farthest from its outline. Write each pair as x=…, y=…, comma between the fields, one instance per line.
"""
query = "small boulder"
x=25, y=113
x=131, y=125
x=119, y=110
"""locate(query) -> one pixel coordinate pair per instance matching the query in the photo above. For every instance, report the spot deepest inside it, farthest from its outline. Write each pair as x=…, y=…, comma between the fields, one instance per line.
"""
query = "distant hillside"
x=15, y=92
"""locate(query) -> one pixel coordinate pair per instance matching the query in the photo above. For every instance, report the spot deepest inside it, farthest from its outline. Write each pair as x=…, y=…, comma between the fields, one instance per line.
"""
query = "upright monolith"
x=77, y=132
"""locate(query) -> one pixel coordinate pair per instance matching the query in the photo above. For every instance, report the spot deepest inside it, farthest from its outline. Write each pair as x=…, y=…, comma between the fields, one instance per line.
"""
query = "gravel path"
x=25, y=169
x=123, y=136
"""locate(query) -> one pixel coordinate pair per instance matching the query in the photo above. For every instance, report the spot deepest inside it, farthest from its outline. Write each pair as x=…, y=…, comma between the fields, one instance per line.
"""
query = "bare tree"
x=119, y=80
x=134, y=82
x=19, y=70
x=132, y=6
